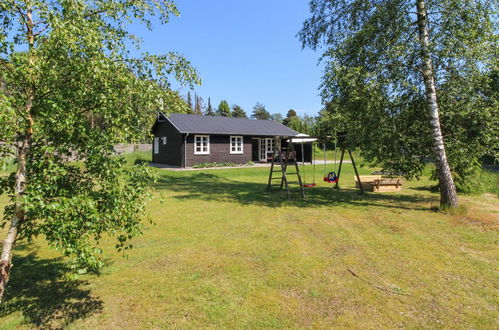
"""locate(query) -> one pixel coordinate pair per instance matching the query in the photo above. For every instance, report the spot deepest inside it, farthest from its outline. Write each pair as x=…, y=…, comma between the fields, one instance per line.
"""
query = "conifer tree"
x=190, y=107
x=259, y=112
x=238, y=112
x=224, y=109
x=209, y=109
x=198, y=105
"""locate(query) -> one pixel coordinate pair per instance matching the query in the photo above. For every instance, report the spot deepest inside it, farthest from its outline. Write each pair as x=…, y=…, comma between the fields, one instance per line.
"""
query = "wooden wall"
x=219, y=151
x=171, y=153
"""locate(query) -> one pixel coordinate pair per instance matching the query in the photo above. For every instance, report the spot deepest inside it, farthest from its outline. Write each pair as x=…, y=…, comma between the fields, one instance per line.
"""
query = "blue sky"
x=245, y=52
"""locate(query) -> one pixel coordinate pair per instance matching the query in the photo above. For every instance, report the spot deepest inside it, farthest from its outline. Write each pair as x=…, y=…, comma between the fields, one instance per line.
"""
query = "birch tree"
x=61, y=63
x=411, y=78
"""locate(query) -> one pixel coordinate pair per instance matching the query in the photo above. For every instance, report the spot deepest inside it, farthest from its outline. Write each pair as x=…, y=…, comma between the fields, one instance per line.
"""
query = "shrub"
x=225, y=164
x=214, y=164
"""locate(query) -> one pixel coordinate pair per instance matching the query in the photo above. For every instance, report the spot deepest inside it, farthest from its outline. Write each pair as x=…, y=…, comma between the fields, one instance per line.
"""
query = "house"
x=185, y=140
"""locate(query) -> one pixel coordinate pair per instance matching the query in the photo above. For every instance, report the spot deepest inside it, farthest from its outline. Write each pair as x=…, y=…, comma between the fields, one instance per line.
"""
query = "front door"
x=265, y=147
x=262, y=150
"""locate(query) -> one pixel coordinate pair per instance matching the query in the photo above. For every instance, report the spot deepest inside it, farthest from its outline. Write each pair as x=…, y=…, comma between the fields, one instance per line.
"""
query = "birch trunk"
x=23, y=149
x=448, y=196
x=18, y=214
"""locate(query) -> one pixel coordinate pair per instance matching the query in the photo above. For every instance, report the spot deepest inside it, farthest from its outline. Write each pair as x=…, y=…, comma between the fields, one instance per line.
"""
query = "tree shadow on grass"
x=208, y=186
x=45, y=295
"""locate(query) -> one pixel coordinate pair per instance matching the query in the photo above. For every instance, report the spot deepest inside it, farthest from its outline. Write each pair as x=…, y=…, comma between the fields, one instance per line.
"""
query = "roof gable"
x=196, y=124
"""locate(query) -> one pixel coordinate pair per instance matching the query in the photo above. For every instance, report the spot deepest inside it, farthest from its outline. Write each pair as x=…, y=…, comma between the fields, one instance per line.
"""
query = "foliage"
x=289, y=116
x=224, y=109
x=238, y=112
x=190, y=108
x=482, y=181
x=259, y=112
x=213, y=164
x=198, y=105
x=276, y=117
x=209, y=109
x=224, y=164
x=69, y=63
x=306, y=124
x=373, y=85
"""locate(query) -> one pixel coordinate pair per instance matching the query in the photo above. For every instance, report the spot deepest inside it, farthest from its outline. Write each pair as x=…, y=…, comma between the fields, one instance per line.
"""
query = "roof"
x=223, y=125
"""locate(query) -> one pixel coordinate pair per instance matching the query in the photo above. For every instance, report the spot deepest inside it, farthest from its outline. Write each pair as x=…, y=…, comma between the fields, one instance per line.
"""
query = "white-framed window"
x=164, y=140
x=156, y=145
x=236, y=144
x=201, y=144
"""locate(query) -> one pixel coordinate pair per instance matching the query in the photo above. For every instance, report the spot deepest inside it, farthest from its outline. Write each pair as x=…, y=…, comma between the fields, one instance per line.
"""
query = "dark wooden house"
x=185, y=140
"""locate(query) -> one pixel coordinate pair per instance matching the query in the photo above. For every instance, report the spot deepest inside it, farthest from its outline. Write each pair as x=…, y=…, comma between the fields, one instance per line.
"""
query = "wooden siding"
x=219, y=151
x=174, y=153
x=171, y=153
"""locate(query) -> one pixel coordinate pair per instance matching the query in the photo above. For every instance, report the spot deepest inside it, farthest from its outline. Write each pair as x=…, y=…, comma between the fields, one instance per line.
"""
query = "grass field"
x=222, y=253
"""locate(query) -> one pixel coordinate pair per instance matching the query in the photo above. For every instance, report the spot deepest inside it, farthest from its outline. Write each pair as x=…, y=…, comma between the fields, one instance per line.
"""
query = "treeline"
x=303, y=124
x=197, y=106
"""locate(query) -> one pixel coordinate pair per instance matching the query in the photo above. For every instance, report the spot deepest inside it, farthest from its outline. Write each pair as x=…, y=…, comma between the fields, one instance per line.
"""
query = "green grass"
x=223, y=253
x=139, y=156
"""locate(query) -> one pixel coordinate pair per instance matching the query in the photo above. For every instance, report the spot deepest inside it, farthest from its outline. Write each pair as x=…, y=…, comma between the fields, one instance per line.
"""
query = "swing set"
x=329, y=177
x=288, y=157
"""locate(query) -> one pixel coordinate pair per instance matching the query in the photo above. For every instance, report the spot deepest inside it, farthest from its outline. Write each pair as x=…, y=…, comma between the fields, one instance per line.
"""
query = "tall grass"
x=484, y=181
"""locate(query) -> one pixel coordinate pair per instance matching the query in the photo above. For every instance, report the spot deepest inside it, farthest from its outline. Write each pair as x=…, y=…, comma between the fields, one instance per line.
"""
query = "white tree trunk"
x=18, y=213
x=23, y=149
x=448, y=196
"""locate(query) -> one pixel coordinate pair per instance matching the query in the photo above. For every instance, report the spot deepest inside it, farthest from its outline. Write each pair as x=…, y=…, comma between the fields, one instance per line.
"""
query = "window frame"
x=156, y=146
x=238, y=138
x=202, y=152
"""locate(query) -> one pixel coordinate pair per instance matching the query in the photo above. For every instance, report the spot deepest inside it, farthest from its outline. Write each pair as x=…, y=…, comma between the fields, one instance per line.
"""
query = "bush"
x=226, y=164
x=482, y=181
x=214, y=164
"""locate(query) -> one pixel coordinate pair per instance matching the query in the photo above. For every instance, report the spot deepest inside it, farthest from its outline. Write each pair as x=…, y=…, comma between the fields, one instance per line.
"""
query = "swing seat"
x=309, y=185
x=331, y=178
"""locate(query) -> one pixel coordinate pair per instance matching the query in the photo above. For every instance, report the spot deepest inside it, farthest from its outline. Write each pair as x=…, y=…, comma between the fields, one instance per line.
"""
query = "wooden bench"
x=376, y=183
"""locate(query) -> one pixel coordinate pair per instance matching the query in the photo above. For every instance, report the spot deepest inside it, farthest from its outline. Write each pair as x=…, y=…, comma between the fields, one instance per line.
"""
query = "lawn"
x=223, y=253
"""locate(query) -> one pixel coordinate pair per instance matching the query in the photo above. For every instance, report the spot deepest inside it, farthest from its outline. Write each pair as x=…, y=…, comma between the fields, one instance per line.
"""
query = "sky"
x=245, y=52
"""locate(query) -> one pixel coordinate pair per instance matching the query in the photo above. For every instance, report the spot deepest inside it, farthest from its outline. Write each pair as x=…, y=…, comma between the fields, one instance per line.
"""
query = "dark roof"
x=222, y=125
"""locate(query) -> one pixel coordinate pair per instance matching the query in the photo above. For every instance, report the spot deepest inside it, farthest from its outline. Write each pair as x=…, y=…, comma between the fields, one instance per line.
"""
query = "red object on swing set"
x=331, y=178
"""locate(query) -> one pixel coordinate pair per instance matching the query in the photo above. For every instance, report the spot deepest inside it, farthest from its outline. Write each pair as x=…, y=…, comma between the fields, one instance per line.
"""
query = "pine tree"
x=209, y=109
x=238, y=112
x=224, y=109
x=259, y=112
x=190, y=109
x=198, y=105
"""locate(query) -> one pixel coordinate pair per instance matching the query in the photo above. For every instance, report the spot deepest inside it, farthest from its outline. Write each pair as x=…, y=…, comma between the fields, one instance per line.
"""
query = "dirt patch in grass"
x=481, y=211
